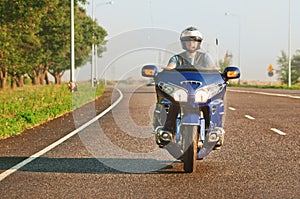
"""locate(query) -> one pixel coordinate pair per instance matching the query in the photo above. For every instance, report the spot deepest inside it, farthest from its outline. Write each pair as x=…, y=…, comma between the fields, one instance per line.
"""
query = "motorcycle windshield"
x=190, y=76
x=202, y=61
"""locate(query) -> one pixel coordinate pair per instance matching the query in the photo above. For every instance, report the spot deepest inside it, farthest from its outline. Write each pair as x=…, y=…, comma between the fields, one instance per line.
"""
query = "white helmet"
x=190, y=34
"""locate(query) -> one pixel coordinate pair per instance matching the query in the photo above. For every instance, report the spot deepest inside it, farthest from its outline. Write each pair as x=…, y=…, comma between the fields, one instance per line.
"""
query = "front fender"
x=190, y=119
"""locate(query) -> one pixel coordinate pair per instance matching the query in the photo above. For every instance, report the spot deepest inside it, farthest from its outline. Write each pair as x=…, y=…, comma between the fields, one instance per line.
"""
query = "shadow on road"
x=90, y=165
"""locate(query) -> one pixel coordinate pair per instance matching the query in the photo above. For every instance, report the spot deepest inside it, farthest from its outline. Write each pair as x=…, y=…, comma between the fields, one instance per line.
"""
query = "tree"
x=20, y=45
x=35, y=39
x=5, y=51
x=55, y=37
x=283, y=72
x=88, y=33
x=226, y=62
x=296, y=63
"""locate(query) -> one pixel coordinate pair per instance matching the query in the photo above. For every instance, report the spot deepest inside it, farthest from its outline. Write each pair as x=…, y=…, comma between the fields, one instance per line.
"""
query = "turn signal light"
x=231, y=74
x=149, y=72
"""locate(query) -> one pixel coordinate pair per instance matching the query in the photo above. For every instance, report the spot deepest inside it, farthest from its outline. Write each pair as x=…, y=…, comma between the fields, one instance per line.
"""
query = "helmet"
x=190, y=34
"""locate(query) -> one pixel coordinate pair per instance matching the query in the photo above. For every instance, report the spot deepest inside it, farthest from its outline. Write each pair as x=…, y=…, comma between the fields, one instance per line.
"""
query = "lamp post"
x=239, y=48
x=95, y=47
x=72, y=75
x=289, y=48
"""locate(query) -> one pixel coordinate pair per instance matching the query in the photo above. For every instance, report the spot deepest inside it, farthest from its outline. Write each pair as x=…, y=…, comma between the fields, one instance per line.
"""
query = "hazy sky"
x=263, y=26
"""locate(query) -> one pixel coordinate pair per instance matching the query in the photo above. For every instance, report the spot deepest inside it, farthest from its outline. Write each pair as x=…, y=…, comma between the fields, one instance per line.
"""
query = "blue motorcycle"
x=199, y=96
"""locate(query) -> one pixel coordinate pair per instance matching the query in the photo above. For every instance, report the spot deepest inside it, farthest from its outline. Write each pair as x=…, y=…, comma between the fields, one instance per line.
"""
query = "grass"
x=26, y=107
x=284, y=86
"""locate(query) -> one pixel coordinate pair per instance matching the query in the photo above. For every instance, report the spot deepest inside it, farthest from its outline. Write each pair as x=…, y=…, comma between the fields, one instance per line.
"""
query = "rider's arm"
x=172, y=63
x=171, y=66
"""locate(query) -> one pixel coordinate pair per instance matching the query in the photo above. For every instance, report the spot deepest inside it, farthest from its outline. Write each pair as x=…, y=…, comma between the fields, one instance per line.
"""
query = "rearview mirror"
x=231, y=72
x=149, y=71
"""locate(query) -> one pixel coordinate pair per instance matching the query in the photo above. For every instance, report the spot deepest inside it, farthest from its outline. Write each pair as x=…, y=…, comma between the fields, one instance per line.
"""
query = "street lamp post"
x=239, y=48
x=289, y=48
x=72, y=75
x=72, y=70
x=95, y=47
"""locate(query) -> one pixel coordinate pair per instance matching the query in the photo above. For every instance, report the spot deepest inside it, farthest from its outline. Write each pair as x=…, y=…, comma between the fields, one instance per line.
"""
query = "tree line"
x=283, y=64
x=35, y=39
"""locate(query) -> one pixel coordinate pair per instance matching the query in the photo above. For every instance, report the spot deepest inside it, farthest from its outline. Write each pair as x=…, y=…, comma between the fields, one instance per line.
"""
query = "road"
x=116, y=157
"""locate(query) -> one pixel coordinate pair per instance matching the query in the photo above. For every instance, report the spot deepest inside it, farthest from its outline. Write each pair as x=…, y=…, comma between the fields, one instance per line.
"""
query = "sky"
x=147, y=31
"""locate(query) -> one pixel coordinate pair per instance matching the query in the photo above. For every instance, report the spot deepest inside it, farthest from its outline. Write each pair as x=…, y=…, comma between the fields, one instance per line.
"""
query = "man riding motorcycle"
x=191, y=40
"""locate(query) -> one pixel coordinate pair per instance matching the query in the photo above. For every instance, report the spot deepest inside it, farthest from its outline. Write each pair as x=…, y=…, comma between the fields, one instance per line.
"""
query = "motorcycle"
x=199, y=123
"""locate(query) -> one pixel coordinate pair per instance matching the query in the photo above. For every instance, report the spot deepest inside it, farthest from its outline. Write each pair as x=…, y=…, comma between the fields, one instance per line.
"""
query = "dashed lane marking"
x=278, y=131
x=231, y=108
x=264, y=93
x=249, y=117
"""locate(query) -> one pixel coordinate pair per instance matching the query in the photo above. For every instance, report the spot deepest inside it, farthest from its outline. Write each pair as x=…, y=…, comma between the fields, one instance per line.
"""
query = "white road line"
x=249, y=117
x=278, y=131
x=231, y=108
x=264, y=93
x=55, y=144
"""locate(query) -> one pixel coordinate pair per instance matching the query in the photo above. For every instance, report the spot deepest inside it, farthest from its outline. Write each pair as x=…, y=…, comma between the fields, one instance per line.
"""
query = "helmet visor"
x=191, y=38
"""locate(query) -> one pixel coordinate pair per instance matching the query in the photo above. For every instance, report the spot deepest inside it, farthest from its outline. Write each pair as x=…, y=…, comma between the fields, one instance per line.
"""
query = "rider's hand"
x=170, y=66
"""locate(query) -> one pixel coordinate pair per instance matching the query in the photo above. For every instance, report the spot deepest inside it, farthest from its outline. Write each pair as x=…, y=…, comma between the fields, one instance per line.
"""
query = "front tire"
x=190, y=141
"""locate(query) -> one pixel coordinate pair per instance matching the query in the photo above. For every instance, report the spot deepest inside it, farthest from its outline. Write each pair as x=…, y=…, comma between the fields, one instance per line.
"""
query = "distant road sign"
x=270, y=68
x=270, y=73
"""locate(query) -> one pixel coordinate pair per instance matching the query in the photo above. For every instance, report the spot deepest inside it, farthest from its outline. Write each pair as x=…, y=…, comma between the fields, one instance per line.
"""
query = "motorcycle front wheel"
x=190, y=141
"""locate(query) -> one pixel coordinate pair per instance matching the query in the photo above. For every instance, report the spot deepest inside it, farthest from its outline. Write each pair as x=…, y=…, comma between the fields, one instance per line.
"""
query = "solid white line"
x=55, y=144
x=278, y=131
x=231, y=108
x=264, y=93
x=249, y=117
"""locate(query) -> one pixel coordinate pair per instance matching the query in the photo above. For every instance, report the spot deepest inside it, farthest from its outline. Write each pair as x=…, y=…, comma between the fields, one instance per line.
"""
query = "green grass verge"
x=26, y=107
x=293, y=87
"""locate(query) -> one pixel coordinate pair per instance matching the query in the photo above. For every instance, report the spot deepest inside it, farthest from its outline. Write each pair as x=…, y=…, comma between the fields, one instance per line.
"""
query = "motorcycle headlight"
x=202, y=95
x=207, y=92
x=179, y=94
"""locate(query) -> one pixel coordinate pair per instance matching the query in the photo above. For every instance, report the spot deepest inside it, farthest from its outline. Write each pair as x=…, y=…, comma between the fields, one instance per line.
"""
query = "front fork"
x=201, y=131
x=212, y=135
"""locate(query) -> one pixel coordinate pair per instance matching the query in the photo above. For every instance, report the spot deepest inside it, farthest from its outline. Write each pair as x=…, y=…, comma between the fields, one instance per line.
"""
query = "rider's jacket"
x=201, y=60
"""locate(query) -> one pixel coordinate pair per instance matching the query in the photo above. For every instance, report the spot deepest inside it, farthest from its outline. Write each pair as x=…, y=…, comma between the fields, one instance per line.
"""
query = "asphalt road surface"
x=116, y=156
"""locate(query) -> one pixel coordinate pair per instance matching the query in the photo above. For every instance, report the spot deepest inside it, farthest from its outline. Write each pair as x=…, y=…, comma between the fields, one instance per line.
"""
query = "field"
x=24, y=108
